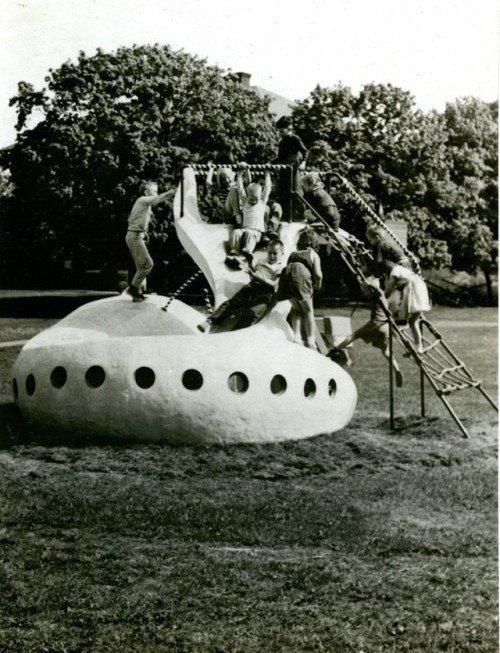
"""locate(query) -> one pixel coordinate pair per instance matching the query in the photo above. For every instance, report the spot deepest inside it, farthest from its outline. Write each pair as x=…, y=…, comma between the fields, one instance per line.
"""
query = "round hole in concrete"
x=309, y=389
x=192, y=380
x=332, y=388
x=238, y=382
x=58, y=376
x=30, y=384
x=94, y=376
x=144, y=377
x=278, y=384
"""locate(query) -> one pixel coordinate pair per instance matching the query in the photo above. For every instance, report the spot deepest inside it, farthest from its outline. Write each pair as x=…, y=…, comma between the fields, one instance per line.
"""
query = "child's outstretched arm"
x=267, y=187
x=317, y=271
x=239, y=186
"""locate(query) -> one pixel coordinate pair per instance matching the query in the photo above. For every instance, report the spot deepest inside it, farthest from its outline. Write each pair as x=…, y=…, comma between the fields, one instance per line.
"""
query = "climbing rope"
x=208, y=303
x=180, y=289
x=361, y=202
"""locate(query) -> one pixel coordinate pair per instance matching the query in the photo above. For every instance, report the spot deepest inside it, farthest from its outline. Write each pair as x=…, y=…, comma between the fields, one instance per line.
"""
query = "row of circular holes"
x=191, y=379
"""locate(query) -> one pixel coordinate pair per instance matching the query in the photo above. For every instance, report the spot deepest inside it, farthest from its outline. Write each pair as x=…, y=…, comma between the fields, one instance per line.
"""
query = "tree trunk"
x=489, y=287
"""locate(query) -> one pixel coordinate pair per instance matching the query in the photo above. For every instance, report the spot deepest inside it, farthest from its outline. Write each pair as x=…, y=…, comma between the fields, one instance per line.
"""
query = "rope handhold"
x=361, y=202
x=180, y=289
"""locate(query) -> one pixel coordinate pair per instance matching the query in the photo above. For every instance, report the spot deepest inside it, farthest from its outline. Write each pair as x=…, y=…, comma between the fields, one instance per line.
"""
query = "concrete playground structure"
x=137, y=372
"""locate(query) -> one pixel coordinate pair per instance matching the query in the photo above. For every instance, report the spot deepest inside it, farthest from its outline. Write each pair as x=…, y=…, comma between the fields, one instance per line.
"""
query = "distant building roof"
x=279, y=105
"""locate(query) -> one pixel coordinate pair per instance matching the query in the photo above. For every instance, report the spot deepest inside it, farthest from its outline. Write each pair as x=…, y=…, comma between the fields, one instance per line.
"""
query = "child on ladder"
x=408, y=298
x=301, y=278
x=375, y=331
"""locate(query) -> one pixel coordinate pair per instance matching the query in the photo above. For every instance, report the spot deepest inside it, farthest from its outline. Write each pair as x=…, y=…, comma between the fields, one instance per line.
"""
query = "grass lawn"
x=366, y=540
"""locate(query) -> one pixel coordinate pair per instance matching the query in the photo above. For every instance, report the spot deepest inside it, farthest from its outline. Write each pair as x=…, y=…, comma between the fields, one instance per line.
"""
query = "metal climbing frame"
x=445, y=372
x=287, y=170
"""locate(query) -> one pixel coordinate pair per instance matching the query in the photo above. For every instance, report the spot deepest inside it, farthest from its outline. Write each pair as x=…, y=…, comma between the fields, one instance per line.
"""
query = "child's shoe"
x=233, y=262
x=204, y=327
x=135, y=293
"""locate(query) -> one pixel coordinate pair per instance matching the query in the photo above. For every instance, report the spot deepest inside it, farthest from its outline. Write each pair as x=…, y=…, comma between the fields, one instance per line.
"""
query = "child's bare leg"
x=387, y=355
x=345, y=343
x=307, y=309
x=295, y=318
x=395, y=366
x=414, y=324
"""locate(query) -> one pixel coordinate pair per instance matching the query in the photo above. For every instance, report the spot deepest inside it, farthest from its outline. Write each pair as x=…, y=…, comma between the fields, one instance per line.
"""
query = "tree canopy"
x=109, y=121
x=104, y=123
x=437, y=171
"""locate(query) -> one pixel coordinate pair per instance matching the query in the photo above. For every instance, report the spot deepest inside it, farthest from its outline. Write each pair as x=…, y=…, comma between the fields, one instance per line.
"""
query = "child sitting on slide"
x=253, y=301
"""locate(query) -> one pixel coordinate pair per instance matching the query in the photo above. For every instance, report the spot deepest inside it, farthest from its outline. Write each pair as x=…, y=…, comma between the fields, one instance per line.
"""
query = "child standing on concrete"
x=136, y=238
x=301, y=278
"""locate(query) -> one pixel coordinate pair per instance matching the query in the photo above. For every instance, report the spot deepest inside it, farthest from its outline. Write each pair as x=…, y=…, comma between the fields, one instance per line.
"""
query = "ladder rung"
x=462, y=386
x=450, y=369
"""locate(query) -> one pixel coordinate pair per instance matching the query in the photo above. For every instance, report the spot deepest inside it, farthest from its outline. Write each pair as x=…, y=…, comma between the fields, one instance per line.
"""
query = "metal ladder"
x=445, y=372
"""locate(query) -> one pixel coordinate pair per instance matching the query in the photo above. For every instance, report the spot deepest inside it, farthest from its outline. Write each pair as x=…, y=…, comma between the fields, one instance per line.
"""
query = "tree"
x=436, y=171
x=108, y=121
x=470, y=206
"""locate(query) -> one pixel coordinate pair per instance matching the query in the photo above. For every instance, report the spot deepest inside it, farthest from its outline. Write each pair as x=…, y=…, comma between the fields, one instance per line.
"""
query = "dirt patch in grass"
x=364, y=540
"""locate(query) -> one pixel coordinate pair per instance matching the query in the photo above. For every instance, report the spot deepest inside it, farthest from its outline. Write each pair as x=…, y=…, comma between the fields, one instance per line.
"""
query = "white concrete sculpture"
x=134, y=372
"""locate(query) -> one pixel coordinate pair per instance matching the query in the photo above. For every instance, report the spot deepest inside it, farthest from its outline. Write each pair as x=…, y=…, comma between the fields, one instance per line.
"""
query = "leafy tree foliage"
x=105, y=123
x=436, y=171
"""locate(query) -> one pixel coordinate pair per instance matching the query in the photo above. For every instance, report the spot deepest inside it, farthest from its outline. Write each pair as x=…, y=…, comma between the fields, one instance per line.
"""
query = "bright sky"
x=436, y=49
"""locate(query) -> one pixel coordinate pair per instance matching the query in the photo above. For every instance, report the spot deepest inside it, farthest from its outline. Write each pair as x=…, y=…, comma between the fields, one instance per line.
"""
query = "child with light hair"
x=254, y=201
x=137, y=235
x=408, y=298
x=384, y=248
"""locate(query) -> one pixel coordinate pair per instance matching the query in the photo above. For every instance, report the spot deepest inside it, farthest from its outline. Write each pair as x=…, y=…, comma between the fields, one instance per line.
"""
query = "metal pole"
x=391, y=379
x=422, y=393
x=182, y=195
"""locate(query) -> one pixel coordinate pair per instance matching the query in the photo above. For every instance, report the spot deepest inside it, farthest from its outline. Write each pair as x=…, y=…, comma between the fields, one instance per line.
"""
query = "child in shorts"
x=375, y=331
x=301, y=278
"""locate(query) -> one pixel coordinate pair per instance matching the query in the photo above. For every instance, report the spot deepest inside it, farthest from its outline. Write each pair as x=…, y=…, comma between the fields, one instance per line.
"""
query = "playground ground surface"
x=366, y=540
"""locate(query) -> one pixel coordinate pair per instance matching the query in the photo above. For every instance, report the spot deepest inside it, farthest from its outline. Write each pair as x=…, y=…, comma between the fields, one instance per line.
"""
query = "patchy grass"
x=364, y=540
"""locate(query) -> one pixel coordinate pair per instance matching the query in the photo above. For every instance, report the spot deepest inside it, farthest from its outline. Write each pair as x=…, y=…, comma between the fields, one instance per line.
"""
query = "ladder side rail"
x=341, y=246
x=436, y=334
x=356, y=268
x=380, y=222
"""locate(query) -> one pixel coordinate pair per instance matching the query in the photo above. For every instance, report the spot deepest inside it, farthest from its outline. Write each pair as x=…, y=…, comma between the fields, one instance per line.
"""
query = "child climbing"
x=375, y=331
x=407, y=297
x=320, y=200
x=384, y=248
x=301, y=278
